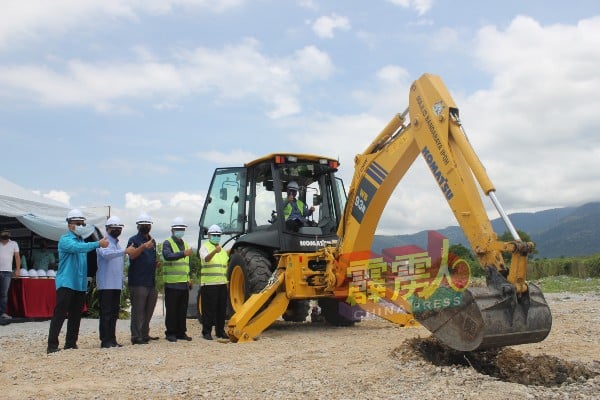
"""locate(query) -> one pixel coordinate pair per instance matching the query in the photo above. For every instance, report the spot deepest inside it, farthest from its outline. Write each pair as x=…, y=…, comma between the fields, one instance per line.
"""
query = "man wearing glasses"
x=71, y=280
x=213, y=284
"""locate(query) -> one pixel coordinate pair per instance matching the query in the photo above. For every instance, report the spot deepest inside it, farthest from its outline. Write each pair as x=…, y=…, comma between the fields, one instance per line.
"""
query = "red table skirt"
x=32, y=298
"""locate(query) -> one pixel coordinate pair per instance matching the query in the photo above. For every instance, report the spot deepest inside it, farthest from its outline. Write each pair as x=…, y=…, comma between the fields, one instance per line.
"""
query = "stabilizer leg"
x=249, y=321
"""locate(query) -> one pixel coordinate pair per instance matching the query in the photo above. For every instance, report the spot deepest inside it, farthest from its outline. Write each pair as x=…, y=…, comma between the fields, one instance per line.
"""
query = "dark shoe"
x=207, y=336
x=116, y=344
x=171, y=338
x=184, y=337
x=71, y=346
x=52, y=350
x=106, y=345
x=222, y=335
x=151, y=338
x=139, y=341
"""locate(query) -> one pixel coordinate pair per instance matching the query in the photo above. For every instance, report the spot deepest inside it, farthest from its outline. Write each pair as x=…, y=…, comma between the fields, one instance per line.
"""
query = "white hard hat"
x=144, y=219
x=23, y=272
x=33, y=273
x=293, y=185
x=215, y=229
x=51, y=273
x=114, y=221
x=75, y=215
x=178, y=223
x=41, y=273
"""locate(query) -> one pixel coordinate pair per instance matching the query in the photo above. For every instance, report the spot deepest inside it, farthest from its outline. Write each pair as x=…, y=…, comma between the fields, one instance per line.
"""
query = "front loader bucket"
x=493, y=316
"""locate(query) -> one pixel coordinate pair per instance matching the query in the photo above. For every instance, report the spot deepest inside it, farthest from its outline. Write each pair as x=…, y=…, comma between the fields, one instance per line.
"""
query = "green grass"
x=563, y=283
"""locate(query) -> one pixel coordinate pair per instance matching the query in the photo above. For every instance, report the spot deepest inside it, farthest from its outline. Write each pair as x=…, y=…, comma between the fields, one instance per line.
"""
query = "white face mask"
x=84, y=231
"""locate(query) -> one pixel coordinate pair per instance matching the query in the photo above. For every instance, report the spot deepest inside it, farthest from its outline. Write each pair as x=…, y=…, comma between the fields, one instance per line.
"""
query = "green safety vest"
x=176, y=271
x=214, y=272
x=287, y=210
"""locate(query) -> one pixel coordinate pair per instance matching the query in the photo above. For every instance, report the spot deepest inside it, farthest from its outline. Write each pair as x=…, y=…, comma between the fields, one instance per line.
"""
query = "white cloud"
x=140, y=202
x=191, y=200
x=310, y=63
x=57, y=195
x=163, y=207
x=324, y=26
x=421, y=6
x=536, y=125
x=108, y=86
x=220, y=158
x=309, y=4
x=23, y=21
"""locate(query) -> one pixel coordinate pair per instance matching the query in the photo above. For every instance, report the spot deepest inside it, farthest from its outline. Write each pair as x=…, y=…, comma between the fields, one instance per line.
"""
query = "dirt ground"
x=372, y=360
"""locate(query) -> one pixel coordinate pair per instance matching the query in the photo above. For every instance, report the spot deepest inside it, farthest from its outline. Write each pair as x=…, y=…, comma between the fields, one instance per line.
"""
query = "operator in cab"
x=295, y=211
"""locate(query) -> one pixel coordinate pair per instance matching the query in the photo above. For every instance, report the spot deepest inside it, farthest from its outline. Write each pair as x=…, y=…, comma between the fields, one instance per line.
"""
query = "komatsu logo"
x=315, y=243
x=438, y=108
x=437, y=173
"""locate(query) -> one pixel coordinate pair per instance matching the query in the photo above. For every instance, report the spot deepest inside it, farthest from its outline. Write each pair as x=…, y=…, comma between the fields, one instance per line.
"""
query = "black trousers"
x=176, y=304
x=68, y=302
x=110, y=303
x=214, y=306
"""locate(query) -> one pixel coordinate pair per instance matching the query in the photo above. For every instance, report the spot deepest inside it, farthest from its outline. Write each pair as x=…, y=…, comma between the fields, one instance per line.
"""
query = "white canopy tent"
x=42, y=216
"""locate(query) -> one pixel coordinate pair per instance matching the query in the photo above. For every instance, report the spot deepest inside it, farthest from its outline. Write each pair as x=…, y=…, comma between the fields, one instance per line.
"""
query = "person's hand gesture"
x=188, y=252
x=130, y=249
x=149, y=244
x=103, y=243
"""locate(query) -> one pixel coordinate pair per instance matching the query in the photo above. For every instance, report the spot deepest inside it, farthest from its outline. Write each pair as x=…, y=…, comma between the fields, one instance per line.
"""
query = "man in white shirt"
x=8, y=250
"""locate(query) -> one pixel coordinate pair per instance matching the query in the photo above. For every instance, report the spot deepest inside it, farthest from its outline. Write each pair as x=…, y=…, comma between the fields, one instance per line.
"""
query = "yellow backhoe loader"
x=274, y=271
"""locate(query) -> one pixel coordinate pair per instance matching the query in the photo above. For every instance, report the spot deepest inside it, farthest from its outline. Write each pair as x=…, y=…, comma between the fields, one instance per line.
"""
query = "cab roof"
x=300, y=157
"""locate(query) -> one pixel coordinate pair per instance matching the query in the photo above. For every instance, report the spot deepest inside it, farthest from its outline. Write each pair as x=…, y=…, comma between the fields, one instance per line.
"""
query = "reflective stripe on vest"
x=287, y=210
x=176, y=271
x=214, y=271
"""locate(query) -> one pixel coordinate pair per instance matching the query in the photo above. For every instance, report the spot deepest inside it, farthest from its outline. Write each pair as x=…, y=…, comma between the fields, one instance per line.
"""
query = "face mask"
x=115, y=233
x=5, y=237
x=80, y=230
x=144, y=229
x=178, y=234
x=215, y=240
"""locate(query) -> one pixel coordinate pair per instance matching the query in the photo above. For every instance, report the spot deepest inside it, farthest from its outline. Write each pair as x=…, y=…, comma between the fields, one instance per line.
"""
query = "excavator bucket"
x=485, y=317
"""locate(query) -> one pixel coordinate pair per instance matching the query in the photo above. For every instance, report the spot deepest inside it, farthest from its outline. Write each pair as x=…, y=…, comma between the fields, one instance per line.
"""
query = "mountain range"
x=558, y=232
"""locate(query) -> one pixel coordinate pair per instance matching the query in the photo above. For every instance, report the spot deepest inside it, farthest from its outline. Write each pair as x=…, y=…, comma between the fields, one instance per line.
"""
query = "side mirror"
x=223, y=194
x=317, y=199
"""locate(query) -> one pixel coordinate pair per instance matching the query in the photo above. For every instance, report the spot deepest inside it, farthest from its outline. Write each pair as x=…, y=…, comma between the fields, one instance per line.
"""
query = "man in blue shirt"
x=141, y=280
x=109, y=282
x=71, y=280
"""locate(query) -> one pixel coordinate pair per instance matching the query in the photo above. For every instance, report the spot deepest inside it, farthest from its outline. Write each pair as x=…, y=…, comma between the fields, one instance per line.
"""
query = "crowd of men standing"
x=144, y=265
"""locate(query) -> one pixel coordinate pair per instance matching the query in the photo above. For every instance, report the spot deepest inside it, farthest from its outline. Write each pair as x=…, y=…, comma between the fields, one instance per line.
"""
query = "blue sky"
x=133, y=103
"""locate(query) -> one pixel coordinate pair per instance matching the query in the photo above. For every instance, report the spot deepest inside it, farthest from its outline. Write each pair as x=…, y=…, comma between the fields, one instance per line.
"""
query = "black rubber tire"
x=330, y=312
x=256, y=271
x=297, y=311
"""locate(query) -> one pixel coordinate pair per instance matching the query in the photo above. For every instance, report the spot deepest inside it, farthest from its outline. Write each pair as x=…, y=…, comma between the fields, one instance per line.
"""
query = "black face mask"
x=115, y=233
x=5, y=237
x=144, y=229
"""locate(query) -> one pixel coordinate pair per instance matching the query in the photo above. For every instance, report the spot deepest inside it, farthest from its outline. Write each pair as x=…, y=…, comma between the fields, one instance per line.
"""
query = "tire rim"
x=237, y=290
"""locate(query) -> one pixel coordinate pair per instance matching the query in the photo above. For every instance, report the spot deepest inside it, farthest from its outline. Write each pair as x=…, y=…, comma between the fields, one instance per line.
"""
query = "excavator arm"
x=508, y=310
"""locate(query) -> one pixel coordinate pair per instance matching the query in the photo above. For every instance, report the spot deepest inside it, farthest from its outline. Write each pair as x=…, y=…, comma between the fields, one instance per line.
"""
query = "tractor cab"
x=249, y=202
